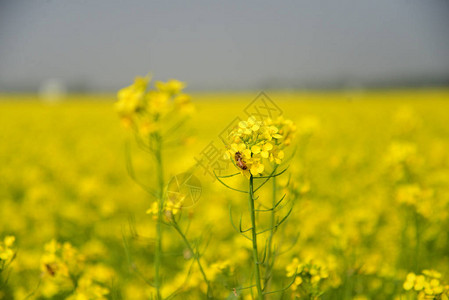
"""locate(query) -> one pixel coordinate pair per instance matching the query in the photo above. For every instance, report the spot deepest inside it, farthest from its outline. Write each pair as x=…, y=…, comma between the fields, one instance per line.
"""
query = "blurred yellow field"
x=368, y=186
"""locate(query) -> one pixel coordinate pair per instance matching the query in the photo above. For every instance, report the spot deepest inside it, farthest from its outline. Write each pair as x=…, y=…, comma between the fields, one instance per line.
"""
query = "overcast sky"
x=103, y=44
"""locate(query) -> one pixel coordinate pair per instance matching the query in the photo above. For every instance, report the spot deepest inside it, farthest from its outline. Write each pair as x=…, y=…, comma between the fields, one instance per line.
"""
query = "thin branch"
x=179, y=289
x=291, y=246
x=175, y=127
x=278, y=223
x=267, y=179
x=229, y=187
x=233, y=225
x=274, y=175
x=284, y=289
x=132, y=174
x=232, y=175
x=274, y=207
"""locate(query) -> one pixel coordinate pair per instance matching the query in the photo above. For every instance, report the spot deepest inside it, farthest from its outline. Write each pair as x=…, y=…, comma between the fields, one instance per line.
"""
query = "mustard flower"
x=172, y=205
x=87, y=288
x=427, y=285
x=310, y=274
x=145, y=109
x=6, y=251
x=131, y=98
x=171, y=87
x=286, y=128
x=255, y=144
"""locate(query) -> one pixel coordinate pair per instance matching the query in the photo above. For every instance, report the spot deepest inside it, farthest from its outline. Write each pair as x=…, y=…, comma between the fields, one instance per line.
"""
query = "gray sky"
x=222, y=44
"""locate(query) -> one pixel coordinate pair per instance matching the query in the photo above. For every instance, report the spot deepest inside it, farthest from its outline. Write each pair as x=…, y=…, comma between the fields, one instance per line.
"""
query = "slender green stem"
x=158, y=248
x=418, y=242
x=270, y=256
x=254, y=240
x=196, y=256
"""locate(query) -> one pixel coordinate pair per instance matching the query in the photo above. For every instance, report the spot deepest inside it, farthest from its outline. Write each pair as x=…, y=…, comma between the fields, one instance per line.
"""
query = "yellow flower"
x=6, y=251
x=252, y=143
x=157, y=102
x=432, y=273
x=88, y=289
x=293, y=267
x=153, y=209
x=146, y=111
x=131, y=98
x=427, y=285
x=255, y=149
x=9, y=241
x=266, y=150
x=409, y=282
x=171, y=87
x=183, y=104
x=174, y=202
x=282, y=130
x=257, y=168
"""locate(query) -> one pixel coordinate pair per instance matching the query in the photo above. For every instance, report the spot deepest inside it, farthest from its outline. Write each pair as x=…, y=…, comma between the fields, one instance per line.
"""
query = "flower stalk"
x=255, y=144
x=270, y=252
x=158, y=247
x=196, y=256
x=254, y=239
x=148, y=113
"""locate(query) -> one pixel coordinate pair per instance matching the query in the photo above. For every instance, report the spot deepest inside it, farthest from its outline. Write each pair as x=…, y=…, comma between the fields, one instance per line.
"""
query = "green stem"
x=418, y=241
x=158, y=249
x=254, y=240
x=196, y=256
x=270, y=255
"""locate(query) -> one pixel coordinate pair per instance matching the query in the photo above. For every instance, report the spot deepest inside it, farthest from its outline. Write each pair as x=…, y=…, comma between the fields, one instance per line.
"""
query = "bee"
x=51, y=269
x=239, y=159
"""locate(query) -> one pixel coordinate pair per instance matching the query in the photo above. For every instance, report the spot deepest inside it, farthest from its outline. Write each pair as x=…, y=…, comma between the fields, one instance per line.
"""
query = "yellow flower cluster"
x=219, y=267
x=88, y=289
x=58, y=259
x=286, y=128
x=6, y=251
x=254, y=142
x=401, y=160
x=172, y=205
x=428, y=285
x=310, y=274
x=357, y=218
x=416, y=197
x=63, y=269
x=401, y=152
x=144, y=110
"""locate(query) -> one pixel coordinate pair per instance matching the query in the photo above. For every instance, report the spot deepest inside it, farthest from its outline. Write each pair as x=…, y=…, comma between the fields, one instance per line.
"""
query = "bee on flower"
x=256, y=144
x=64, y=270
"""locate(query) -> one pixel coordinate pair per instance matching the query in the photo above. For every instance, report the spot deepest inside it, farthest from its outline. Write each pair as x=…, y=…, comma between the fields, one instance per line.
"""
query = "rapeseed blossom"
x=172, y=205
x=64, y=270
x=427, y=285
x=309, y=275
x=352, y=209
x=144, y=109
x=6, y=251
x=255, y=144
